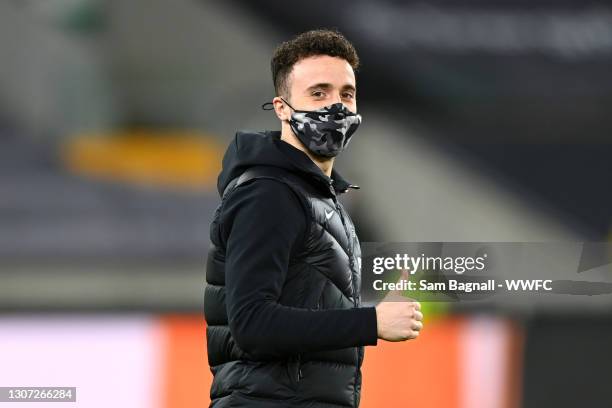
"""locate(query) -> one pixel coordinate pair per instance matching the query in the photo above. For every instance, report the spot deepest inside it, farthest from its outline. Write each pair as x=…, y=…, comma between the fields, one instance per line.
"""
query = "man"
x=284, y=322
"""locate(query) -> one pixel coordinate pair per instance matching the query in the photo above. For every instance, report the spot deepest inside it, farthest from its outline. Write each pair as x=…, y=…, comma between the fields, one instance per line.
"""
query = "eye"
x=318, y=94
x=348, y=95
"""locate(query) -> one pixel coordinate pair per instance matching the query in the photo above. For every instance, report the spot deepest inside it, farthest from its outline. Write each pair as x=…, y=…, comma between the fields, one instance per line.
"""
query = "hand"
x=398, y=319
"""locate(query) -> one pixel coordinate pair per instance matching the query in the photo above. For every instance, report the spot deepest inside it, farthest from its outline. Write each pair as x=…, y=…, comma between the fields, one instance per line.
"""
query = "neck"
x=324, y=163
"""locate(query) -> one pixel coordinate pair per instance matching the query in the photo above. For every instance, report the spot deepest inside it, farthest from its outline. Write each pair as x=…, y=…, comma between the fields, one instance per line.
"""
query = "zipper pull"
x=299, y=362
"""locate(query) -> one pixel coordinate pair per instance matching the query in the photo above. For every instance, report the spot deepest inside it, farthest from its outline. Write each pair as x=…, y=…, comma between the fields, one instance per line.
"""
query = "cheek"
x=288, y=112
x=305, y=103
x=352, y=105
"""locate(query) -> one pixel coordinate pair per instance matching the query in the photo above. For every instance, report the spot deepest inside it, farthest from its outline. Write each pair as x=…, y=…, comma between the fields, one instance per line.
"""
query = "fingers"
x=397, y=294
x=417, y=305
x=413, y=335
x=417, y=323
x=415, y=330
x=393, y=296
x=404, y=276
x=417, y=326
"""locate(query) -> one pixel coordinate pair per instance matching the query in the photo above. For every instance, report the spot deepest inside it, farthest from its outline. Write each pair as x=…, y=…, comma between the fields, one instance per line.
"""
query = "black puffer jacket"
x=284, y=322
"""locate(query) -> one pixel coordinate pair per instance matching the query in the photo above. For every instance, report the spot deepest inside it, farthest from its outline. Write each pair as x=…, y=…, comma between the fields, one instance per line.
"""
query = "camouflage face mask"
x=325, y=131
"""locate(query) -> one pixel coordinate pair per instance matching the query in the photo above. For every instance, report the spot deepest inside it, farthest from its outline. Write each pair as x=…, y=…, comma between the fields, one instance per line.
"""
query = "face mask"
x=325, y=131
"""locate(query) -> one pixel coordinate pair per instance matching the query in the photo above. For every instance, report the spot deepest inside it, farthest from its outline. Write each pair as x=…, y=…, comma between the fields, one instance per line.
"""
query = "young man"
x=285, y=326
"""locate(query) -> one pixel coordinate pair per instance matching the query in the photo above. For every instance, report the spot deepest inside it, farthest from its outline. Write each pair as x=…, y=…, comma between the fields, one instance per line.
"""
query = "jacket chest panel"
x=333, y=247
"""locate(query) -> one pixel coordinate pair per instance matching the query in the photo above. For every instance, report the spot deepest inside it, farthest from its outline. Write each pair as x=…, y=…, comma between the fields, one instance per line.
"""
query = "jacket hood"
x=266, y=148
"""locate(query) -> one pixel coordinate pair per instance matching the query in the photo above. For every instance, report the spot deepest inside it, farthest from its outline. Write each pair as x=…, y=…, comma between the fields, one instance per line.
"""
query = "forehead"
x=321, y=69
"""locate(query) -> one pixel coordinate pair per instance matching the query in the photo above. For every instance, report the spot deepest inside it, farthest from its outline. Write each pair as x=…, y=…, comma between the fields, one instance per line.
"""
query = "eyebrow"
x=326, y=85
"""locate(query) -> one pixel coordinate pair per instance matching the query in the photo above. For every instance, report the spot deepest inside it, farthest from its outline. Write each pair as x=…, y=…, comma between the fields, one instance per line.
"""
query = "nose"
x=337, y=98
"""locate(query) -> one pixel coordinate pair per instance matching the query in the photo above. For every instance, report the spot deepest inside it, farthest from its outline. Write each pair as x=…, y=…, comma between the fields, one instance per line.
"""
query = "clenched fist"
x=398, y=319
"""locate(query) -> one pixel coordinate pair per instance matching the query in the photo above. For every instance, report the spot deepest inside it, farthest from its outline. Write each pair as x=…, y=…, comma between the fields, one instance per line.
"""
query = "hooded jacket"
x=285, y=326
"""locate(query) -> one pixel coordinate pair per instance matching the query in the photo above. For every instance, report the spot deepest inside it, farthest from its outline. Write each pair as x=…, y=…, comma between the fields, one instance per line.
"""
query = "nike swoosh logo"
x=328, y=215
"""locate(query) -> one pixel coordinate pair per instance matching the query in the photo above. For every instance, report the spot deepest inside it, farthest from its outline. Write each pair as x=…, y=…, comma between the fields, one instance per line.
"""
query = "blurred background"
x=483, y=121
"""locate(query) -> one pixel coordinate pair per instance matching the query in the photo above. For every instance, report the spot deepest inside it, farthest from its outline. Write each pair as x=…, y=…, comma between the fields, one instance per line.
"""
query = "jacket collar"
x=336, y=184
x=340, y=184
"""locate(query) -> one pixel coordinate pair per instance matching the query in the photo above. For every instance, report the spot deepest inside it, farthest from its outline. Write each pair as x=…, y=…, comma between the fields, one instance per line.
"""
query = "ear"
x=283, y=112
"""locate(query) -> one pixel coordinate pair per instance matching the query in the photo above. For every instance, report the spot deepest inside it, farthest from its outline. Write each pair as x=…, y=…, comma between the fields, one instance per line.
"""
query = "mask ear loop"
x=270, y=105
x=288, y=104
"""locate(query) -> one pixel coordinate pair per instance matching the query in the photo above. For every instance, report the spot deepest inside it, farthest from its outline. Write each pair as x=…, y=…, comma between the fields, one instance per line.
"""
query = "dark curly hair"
x=308, y=44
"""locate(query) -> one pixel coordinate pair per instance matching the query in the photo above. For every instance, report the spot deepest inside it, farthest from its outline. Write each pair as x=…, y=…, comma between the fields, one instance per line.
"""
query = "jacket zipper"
x=352, y=264
x=350, y=251
x=299, y=367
